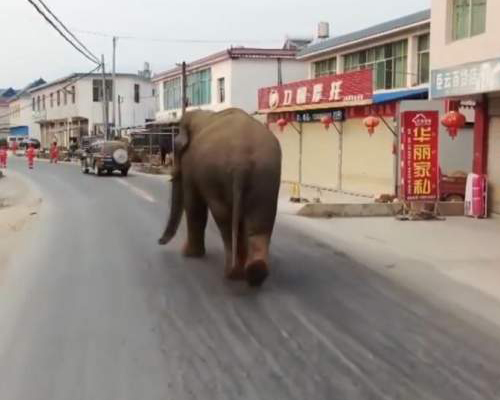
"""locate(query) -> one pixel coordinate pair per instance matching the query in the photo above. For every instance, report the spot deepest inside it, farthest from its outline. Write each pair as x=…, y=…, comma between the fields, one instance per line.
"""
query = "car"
x=27, y=141
x=106, y=156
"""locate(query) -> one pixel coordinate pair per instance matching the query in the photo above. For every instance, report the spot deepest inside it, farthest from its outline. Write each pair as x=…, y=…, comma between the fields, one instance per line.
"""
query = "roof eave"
x=313, y=54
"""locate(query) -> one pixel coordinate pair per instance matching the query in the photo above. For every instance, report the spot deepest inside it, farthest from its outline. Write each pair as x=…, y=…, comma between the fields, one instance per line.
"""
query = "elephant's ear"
x=181, y=141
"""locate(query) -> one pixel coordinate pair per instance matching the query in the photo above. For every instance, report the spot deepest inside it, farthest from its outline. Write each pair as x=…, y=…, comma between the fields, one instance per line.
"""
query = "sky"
x=31, y=48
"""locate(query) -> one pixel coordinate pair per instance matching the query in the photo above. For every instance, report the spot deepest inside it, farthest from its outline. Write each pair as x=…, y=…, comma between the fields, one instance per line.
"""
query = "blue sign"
x=19, y=131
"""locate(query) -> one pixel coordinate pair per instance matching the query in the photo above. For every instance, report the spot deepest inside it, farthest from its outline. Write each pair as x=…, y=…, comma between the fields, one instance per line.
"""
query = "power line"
x=61, y=33
x=68, y=31
x=176, y=40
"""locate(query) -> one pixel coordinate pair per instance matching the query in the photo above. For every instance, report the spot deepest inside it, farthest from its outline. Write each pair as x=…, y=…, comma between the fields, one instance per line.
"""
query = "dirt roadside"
x=19, y=209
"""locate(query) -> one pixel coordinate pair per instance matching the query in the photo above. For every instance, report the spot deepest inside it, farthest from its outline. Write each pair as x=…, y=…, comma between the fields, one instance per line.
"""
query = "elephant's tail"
x=238, y=177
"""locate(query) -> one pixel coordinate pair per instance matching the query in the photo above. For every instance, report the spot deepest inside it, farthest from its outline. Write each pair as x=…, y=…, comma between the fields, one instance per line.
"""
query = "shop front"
x=336, y=134
x=477, y=85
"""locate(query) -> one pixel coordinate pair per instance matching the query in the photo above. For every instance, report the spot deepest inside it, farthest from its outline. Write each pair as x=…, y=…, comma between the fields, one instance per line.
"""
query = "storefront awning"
x=19, y=131
x=414, y=94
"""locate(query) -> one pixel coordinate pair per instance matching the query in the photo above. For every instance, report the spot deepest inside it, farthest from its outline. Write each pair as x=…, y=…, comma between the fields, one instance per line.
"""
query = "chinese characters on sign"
x=419, y=156
x=466, y=79
x=352, y=88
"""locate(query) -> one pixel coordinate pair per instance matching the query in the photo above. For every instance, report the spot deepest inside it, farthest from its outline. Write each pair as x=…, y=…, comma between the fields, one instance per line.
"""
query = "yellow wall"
x=289, y=141
x=494, y=164
x=320, y=155
x=367, y=161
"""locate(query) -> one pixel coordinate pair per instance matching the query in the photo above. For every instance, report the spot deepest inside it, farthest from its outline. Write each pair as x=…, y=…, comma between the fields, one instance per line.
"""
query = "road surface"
x=93, y=309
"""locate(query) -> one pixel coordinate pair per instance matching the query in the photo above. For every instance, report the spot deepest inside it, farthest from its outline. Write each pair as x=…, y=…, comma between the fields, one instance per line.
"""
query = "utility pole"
x=104, y=100
x=280, y=72
x=120, y=113
x=184, y=88
x=114, y=91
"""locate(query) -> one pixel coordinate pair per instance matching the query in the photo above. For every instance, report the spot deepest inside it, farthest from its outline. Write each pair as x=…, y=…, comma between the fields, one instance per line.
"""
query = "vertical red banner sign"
x=419, y=155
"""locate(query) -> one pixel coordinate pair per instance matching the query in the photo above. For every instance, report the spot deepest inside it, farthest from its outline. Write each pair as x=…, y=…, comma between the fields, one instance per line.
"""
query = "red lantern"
x=453, y=122
x=371, y=123
x=282, y=122
x=327, y=121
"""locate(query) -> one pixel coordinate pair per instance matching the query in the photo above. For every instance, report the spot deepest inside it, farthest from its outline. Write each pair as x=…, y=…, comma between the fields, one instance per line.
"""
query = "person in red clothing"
x=30, y=155
x=3, y=157
x=54, y=153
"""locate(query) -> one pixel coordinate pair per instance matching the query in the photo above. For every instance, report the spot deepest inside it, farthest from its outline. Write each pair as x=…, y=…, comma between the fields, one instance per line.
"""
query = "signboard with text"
x=351, y=88
x=419, y=156
x=315, y=116
x=467, y=79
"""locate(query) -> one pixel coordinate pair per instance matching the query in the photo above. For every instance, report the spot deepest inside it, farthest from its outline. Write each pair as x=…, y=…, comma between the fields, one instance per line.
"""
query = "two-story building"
x=72, y=107
x=6, y=95
x=465, y=65
x=229, y=78
x=21, y=122
x=352, y=76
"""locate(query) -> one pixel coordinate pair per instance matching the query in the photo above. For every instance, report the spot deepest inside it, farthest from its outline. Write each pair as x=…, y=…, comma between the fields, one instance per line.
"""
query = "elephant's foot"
x=235, y=274
x=193, y=251
x=256, y=273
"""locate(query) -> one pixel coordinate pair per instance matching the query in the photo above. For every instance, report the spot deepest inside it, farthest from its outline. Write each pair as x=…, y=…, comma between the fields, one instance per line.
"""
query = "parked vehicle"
x=27, y=141
x=452, y=187
x=106, y=156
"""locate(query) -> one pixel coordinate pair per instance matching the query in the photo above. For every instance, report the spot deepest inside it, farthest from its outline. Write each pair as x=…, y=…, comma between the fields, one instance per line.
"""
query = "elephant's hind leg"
x=197, y=216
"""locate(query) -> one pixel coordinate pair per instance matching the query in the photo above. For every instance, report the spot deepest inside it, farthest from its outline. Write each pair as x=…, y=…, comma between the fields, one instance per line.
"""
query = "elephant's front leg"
x=197, y=216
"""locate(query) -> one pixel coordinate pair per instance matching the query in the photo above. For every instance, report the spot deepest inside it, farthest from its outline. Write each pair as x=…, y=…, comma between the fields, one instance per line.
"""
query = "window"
x=325, y=67
x=469, y=18
x=423, y=59
x=172, y=94
x=73, y=94
x=33, y=105
x=221, y=90
x=137, y=93
x=38, y=103
x=58, y=98
x=65, y=95
x=199, y=88
x=51, y=100
x=97, y=90
x=389, y=64
x=43, y=102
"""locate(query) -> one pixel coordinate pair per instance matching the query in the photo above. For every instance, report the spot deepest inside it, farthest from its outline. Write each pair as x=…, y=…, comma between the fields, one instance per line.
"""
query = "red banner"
x=351, y=88
x=419, y=155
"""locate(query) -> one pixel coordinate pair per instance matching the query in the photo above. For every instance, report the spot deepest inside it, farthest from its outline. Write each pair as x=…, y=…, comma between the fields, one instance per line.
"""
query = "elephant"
x=229, y=163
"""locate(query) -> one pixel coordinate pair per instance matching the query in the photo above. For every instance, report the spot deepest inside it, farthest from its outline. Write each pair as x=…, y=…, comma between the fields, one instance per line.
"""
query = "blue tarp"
x=414, y=94
x=19, y=131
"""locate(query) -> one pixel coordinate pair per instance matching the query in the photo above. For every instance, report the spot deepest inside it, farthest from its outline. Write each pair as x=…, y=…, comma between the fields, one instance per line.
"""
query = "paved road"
x=94, y=309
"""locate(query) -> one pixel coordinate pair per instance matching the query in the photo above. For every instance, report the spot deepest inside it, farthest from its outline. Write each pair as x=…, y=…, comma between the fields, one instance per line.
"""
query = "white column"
x=412, y=63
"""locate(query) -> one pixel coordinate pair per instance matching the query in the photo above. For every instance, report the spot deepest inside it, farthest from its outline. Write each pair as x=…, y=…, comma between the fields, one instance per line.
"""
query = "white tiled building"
x=230, y=78
x=72, y=106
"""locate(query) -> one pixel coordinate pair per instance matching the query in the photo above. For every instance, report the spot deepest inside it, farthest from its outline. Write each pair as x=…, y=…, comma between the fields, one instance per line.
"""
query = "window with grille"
x=468, y=18
x=423, y=58
x=325, y=67
x=389, y=64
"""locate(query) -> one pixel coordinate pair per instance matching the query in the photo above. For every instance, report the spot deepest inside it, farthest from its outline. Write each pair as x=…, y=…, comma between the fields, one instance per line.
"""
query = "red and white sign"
x=419, y=155
x=352, y=88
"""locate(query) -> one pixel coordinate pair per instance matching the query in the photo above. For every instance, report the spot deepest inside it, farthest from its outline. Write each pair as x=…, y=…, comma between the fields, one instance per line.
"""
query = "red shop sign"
x=419, y=156
x=351, y=88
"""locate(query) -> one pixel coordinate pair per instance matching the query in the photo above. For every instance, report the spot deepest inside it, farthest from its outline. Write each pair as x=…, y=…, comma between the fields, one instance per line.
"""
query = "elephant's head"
x=191, y=123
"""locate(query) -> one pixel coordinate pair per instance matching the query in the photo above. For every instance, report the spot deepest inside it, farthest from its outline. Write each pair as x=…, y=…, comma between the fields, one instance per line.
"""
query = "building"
x=465, y=67
x=229, y=78
x=72, y=107
x=6, y=96
x=364, y=73
x=21, y=122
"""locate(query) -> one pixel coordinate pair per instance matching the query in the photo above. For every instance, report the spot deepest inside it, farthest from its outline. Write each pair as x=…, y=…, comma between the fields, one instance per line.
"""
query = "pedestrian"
x=14, y=147
x=30, y=155
x=54, y=153
x=3, y=157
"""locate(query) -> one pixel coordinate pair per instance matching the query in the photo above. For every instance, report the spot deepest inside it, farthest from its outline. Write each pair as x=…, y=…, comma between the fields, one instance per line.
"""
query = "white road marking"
x=139, y=192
